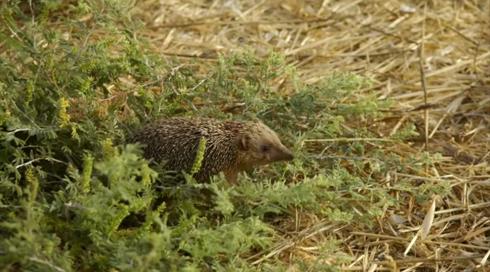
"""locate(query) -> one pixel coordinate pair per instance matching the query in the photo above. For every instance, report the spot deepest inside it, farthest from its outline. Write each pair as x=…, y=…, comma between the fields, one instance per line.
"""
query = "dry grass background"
x=431, y=57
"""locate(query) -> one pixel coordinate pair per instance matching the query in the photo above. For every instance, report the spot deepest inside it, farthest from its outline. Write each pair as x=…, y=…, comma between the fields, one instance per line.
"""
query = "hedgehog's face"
x=263, y=146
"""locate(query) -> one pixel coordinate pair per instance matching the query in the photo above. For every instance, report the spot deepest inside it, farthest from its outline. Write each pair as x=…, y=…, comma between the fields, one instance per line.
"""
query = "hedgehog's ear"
x=244, y=142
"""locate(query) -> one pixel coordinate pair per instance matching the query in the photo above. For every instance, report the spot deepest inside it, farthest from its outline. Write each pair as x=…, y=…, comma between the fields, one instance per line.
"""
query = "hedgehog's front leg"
x=231, y=176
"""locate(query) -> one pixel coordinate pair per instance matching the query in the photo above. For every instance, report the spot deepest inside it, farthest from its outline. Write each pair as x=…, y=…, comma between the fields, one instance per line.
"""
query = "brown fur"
x=232, y=146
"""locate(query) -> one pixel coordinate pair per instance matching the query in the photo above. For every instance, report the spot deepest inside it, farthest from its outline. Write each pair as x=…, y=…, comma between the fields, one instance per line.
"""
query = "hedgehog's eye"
x=265, y=148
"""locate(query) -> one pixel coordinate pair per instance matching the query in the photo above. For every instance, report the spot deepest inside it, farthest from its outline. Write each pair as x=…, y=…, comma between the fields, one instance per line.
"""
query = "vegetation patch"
x=77, y=78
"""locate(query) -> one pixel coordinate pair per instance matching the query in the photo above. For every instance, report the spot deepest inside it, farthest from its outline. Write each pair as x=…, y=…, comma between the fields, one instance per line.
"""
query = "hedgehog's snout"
x=281, y=153
x=288, y=155
x=285, y=154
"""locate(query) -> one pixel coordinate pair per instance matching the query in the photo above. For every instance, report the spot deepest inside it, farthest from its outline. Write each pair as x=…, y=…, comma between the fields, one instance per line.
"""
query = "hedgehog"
x=231, y=146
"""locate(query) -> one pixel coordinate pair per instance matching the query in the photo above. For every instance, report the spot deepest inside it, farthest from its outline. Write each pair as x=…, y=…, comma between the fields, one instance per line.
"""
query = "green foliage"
x=196, y=166
x=74, y=197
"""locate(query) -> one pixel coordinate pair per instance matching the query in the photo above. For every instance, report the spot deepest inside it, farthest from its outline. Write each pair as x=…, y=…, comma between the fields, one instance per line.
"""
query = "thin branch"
x=423, y=81
x=38, y=159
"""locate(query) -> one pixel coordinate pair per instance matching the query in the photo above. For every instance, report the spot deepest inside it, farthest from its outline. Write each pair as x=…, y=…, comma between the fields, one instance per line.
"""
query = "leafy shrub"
x=73, y=196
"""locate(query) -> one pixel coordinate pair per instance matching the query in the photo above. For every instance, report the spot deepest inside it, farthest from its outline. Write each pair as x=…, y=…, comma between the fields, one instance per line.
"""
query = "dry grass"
x=433, y=60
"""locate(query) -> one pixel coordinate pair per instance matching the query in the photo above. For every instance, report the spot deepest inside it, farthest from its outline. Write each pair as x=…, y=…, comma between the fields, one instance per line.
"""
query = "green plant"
x=74, y=197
